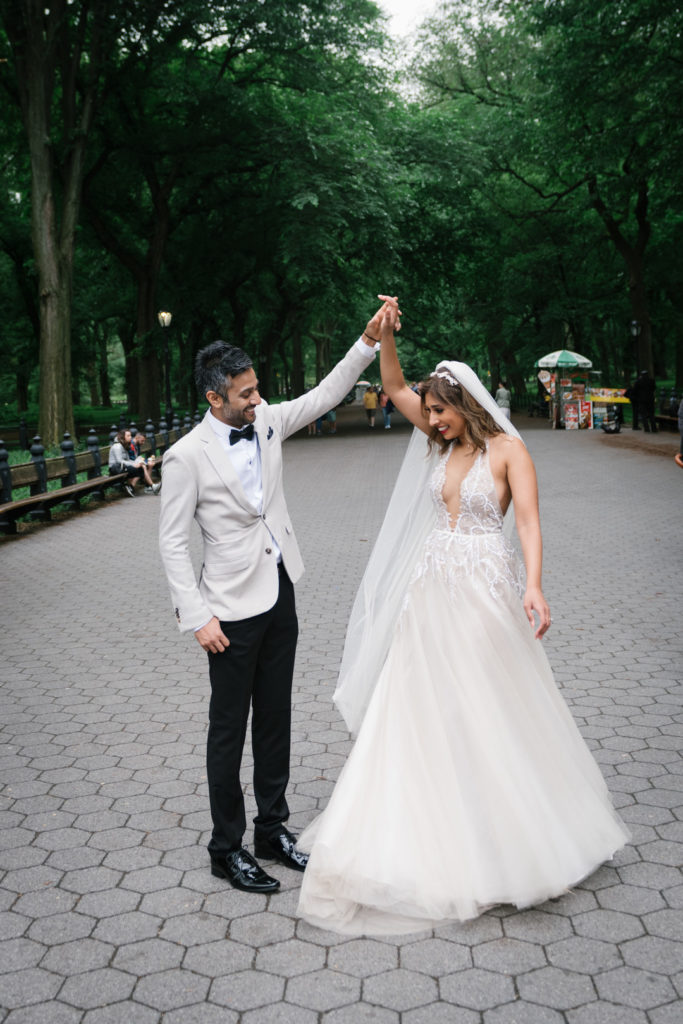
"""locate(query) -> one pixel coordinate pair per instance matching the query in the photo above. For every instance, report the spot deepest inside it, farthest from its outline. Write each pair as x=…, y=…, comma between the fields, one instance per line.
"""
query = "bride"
x=469, y=784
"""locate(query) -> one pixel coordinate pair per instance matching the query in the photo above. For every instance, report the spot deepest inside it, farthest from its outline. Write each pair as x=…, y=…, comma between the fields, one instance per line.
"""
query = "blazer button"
x=269, y=551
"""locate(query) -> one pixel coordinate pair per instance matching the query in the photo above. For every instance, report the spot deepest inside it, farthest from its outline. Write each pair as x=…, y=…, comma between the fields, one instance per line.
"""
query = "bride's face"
x=448, y=421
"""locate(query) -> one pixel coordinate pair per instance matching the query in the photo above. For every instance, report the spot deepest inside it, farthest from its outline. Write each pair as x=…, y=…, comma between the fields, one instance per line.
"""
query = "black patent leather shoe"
x=243, y=872
x=282, y=847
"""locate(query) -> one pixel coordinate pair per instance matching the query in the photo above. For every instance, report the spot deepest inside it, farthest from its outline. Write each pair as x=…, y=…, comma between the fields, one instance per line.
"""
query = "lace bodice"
x=474, y=545
x=479, y=510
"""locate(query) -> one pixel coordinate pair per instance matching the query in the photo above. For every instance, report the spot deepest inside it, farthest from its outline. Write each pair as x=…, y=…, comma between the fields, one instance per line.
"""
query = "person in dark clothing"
x=630, y=393
x=644, y=402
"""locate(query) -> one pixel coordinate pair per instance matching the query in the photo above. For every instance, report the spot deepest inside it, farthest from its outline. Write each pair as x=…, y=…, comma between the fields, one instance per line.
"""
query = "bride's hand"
x=391, y=315
x=386, y=319
x=534, y=601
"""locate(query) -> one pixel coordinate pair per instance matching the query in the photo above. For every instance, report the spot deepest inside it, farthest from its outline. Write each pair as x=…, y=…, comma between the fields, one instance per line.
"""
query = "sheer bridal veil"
x=409, y=518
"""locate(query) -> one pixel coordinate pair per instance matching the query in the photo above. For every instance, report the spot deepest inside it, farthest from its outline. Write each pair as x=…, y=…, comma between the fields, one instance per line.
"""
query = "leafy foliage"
x=253, y=167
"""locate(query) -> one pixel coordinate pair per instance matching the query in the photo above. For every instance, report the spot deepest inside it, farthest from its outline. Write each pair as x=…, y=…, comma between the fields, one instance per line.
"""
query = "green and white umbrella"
x=565, y=360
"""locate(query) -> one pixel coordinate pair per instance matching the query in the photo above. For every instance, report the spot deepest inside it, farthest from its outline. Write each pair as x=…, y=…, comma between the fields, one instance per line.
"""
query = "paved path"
x=108, y=913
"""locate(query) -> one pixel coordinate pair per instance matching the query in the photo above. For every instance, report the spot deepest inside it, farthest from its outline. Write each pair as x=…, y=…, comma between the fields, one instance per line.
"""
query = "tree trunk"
x=676, y=299
x=323, y=348
x=54, y=263
x=285, y=384
x=50, y=50
x=22, y=390
x=513, y=375
x=182, y=374
x=494, y=350
x=131, y=370
x=634, y=258
x=597, y=332
x=194, y=339
x=103, y=367
x=147, y=326
x=298, y=376
x=56, y=413
x=93, y=382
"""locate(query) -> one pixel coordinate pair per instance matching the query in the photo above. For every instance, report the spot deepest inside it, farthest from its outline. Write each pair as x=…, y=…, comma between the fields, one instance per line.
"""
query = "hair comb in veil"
x=446, y=376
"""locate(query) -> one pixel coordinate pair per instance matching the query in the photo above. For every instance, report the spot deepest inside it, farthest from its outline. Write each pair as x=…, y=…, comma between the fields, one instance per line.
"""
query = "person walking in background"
x=644, y=394
x=504, y=398
x=387, y=407
x=226, y=475
x=630, y=393
x=370, y=401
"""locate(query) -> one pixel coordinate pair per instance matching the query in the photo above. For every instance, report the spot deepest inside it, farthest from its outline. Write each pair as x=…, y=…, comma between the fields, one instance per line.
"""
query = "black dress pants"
x=255, y=671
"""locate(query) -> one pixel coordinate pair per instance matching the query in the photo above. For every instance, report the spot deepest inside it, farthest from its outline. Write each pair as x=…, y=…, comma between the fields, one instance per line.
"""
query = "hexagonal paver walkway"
x=108, y=913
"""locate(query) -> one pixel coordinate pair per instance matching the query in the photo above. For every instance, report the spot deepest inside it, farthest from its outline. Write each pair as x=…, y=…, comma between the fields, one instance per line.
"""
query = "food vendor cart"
x=602, y=400
x=563, y=374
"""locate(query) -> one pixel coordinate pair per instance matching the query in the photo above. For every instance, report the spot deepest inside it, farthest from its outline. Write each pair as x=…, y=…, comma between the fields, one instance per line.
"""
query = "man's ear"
x=214, y=399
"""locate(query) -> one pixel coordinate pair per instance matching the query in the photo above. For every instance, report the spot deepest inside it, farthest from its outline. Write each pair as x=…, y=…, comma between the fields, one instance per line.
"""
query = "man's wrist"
x=364, y=345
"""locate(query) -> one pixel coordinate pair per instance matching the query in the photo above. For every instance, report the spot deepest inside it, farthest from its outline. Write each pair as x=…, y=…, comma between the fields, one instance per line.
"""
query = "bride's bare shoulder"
x=505, y=444
x=506, y=451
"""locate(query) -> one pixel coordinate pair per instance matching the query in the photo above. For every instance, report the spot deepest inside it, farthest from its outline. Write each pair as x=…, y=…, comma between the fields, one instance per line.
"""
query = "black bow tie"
x=245, y=434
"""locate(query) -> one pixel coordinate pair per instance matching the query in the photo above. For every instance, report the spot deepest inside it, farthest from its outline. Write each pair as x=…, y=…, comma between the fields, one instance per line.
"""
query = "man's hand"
x=212, y=638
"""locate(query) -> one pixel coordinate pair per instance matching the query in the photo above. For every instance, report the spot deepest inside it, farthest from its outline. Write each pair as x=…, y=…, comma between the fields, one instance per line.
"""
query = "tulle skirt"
x=469, y=784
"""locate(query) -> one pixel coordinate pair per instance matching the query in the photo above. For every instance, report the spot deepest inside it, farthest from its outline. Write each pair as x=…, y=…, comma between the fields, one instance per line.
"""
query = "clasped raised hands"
x=385, y=322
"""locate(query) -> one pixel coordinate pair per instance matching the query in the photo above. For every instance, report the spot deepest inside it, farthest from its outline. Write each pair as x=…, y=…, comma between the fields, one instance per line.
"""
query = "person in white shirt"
x=504, y=398
x=226, y=474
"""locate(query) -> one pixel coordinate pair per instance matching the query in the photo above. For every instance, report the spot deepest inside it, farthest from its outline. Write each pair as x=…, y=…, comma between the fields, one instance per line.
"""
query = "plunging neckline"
x=453, y=520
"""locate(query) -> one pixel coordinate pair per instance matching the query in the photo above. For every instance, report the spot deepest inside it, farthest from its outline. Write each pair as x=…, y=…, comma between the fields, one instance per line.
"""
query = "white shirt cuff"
x=360, y=344
x=197, y=628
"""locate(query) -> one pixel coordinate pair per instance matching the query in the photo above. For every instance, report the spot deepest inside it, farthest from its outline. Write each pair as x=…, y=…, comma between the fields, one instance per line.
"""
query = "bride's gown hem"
x=469, y=785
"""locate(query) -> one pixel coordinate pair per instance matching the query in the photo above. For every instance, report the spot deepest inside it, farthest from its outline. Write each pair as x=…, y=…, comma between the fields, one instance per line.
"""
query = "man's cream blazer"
x=239, y=576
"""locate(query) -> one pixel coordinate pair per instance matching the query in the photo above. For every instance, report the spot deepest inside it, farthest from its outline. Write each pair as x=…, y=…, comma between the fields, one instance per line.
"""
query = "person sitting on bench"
x=123, y=458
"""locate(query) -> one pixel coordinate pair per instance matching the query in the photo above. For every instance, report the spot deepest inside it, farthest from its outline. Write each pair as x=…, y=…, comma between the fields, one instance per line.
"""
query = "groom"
x=226, y=474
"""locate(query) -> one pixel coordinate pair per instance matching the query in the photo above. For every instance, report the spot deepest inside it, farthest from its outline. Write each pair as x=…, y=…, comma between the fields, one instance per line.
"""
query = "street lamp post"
x=636, y=328
x=165, y=322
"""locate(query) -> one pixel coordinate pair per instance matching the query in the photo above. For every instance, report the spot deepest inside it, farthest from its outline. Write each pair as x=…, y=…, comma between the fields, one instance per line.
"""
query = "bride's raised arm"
x=403, y=397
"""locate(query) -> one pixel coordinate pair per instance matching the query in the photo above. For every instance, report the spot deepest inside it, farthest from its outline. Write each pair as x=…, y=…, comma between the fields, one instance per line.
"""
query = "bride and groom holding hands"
x=469, y=784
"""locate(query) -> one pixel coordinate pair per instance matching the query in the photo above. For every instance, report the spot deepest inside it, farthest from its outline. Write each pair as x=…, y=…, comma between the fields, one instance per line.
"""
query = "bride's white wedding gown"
x=469, y=784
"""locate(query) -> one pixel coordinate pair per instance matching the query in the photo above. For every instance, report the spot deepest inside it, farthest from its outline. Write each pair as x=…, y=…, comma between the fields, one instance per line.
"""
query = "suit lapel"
x=262, y=427
x=222, y=464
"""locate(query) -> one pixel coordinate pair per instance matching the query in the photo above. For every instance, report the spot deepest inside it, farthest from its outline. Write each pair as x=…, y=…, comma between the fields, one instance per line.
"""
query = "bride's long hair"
x=479, y=424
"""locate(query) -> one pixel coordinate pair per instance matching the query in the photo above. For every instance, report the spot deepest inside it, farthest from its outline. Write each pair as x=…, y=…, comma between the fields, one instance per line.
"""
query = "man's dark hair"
x=216, y=362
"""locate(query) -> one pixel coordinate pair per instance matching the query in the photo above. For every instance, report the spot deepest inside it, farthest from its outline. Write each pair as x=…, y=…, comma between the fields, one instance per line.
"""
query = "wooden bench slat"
x=14, y=509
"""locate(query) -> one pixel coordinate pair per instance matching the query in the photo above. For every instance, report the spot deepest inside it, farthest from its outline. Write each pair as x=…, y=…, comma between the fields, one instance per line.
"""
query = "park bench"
x=65, y=468
x=665, y=422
